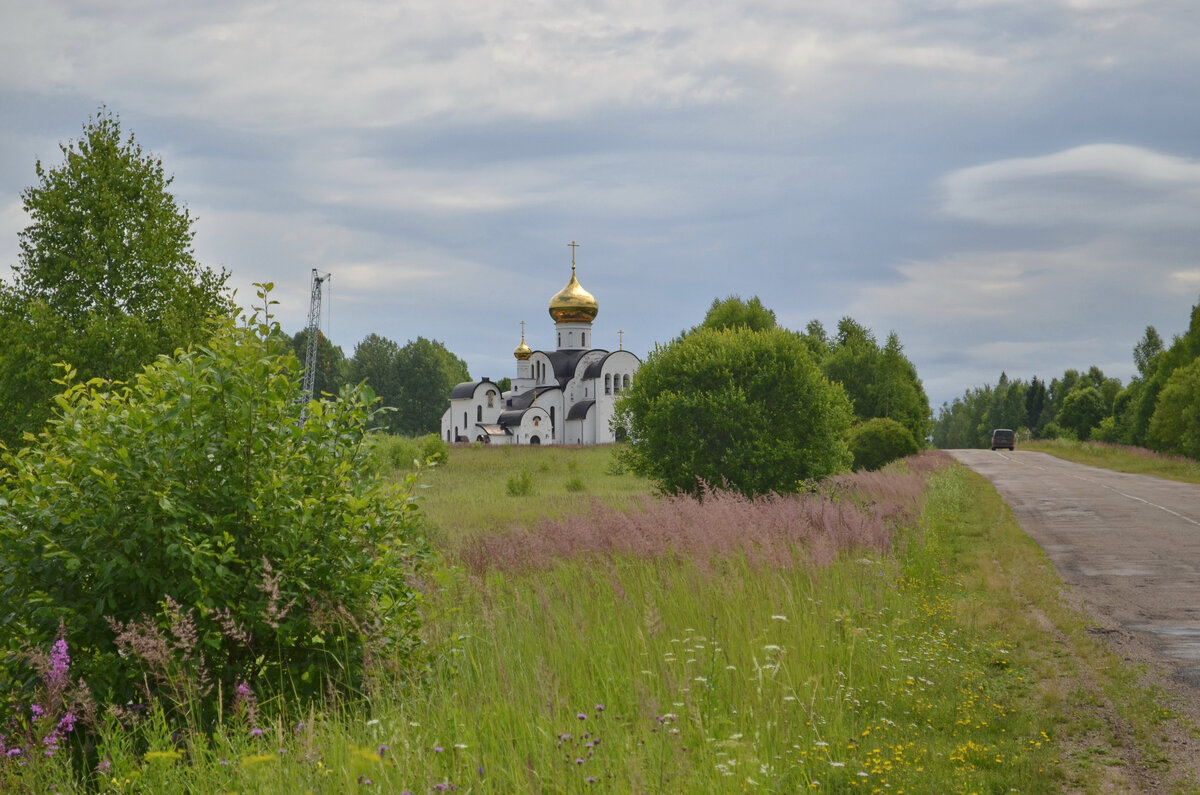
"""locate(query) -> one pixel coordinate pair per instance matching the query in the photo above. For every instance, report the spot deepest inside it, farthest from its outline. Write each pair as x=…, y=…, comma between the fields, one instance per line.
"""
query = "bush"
x=196, y=509
x=879, y=441
x=520, y=484
x=434, y=449
x=747, y=410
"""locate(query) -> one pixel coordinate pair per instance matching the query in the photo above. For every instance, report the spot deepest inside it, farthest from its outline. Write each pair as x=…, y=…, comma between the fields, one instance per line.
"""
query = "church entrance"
x=535, y=440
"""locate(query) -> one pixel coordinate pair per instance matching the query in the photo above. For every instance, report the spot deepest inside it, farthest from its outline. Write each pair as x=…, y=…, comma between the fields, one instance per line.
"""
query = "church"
x=563, y=396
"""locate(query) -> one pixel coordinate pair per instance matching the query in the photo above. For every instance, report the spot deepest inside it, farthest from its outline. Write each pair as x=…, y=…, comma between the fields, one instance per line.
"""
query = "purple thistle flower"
x=579, y=761
x=256, y=732
x=382, y=750
x=103, y=767
x=437, y=749
x=591, y=779
x=599, y=707
x=582, y=716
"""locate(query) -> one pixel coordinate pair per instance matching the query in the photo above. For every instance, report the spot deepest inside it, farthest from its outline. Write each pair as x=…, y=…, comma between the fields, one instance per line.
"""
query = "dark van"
x=1002, y=437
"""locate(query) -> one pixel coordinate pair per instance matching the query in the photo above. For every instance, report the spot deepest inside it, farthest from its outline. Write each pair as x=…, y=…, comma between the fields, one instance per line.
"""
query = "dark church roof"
x=564, y=364
x=579, y=410
x=593, y=369
x=525, y=399
x=467, y=389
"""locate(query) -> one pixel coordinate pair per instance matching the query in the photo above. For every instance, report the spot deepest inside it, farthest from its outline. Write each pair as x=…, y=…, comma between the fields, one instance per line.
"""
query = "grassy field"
x=1134, y=460
x=895, y=633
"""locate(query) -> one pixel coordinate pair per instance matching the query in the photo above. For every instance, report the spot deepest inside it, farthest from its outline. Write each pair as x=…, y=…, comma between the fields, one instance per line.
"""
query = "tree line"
x=1158, y=409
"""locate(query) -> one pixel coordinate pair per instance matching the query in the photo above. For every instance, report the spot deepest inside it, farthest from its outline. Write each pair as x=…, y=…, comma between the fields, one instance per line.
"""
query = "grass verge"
x=1120, y=458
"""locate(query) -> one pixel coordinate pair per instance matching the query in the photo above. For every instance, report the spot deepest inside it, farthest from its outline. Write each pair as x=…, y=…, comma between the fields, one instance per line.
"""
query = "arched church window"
x=583, y=339
x=479, y=413
x=537, y=421
x=464, y=420
x=608, y=383
x=625, y=381
x=491, y=396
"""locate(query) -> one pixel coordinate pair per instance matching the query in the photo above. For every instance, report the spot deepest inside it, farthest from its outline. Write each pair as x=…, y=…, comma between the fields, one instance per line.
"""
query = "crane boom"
x=314, y=332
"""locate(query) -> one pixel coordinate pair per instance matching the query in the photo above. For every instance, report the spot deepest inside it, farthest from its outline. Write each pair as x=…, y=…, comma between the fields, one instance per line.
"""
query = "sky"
x=1009, y=185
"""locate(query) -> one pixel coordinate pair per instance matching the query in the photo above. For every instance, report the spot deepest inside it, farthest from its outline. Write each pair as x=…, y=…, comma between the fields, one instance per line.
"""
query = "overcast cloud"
x=1008, y=184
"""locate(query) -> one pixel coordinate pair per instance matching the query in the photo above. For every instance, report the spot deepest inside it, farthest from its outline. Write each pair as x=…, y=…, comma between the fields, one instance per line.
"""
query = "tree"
x=427, y=372
x=880, y=381
x=748, y=410
x=333, y=371
x=1035, y=401
x=107, y=278
x=197, y=493
x=733, y=312
x=1146, y=351
x=1175, y=425
x=1082, y=410
x=375, y=361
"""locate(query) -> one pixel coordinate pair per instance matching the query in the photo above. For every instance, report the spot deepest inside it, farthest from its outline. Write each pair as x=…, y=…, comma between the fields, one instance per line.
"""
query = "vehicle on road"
x=1003, y=437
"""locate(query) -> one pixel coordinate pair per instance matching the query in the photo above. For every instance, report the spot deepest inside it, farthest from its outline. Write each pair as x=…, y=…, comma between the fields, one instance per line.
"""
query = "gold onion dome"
x=573, y=304
x=522, y=351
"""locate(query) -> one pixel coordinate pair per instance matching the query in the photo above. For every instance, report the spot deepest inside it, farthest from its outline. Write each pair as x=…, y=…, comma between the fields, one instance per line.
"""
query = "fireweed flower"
x=37, y=710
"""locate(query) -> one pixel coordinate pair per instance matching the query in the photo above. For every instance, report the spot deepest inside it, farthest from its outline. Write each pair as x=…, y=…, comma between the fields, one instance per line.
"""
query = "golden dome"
x=522, y=351
x=573, y=304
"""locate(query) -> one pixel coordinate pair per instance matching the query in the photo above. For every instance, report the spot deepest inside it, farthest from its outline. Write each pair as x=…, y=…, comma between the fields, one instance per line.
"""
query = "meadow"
x=888, y=632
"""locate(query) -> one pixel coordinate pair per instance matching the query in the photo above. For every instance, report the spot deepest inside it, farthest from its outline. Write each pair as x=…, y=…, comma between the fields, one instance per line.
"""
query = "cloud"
x=1099, y=186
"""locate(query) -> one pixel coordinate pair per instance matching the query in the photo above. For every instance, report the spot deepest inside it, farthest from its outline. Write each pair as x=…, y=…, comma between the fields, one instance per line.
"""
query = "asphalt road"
x=1127, y=545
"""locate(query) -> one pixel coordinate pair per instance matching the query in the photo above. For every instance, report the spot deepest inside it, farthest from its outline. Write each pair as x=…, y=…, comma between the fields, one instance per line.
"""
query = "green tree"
x=333, y=371
x=427, y=373
x=1082, y=410
x=1146, y=352
x=1175, y=425
x=195, y=492
x=880, y=381
x=733, y=312
x=879, y=441
x=106, y=279
x=747, y=410
x=1035, y=401
x=375, y=361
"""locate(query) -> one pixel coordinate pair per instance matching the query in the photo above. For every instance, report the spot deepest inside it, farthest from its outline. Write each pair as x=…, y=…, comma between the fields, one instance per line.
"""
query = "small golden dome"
x=573, y=304
x=522, y=351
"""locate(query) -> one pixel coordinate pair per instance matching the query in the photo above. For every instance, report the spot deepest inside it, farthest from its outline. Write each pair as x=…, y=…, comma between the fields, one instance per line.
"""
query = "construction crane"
x=314, y=333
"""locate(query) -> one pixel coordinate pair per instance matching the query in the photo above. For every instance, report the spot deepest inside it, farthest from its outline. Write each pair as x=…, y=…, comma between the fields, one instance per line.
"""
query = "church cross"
x=573, y=246
x=621, y=339
x=522, y=331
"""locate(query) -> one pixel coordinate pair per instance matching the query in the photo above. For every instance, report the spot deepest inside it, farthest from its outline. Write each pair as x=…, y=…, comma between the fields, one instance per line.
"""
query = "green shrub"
x=195, y=508
x=879, y=441
x=520, y=484
x=434, y=449
x=745, y=409
x=575, y=483
x=390, y=453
